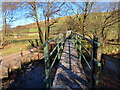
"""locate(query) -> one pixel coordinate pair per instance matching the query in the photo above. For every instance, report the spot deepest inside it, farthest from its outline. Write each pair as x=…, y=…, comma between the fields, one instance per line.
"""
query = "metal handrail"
x=90, y=40
x=51, y=39
x=78, y=39
x=85, y=48
x=60, y=44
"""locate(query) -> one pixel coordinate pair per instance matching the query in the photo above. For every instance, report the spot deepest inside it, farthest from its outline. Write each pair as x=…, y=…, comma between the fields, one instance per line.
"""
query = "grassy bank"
x=15, y=47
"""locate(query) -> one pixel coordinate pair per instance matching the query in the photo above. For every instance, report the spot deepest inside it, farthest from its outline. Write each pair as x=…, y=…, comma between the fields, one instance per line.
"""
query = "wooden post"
x=47, y=65
x=36, y=42
x=95, y=67
x=21, y=52
x=95, y=48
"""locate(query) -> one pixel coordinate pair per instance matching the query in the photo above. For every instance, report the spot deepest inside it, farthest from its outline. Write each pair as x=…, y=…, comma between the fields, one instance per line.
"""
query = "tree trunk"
x=118, y=34
x=48, y=22
x=99, y=50
x=83, y=29
x=37, y=22
x=39, y=31
x=84, y=18
x=47, y=28
x=119, y=24
x=4, y=36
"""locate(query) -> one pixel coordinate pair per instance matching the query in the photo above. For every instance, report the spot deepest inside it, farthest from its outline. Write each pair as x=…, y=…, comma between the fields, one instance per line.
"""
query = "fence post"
x=95, y=68
x=36, y=40
x=47, y=65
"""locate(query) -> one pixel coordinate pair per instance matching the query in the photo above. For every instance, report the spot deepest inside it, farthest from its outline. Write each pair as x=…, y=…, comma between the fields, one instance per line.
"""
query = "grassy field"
x=20, y=43
x=15, y=47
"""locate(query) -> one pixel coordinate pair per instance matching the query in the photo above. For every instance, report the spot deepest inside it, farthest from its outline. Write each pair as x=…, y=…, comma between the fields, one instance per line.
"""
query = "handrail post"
x=75, y=41
x=58, y=49
x=64, y=36
x=94, y=69
x=47, y=65
x=62, y=43
x=73, y=38
x=80, y=48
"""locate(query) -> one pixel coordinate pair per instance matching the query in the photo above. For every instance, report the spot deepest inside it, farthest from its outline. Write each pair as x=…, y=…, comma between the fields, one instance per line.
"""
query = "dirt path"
x=13, y=56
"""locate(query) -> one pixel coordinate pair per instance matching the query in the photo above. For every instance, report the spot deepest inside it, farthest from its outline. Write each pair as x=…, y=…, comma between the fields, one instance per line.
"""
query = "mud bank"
x=9, y=66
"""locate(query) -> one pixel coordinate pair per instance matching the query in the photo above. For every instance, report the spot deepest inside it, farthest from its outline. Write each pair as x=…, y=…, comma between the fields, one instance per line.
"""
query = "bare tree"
x=105, y=20
x=101, y=22
x=82, y=13
x=96, y=18
x=50, y=10
x=44, y=11
x=8, y=9
x=119, y=33
x=119, y=23
x=34, y=14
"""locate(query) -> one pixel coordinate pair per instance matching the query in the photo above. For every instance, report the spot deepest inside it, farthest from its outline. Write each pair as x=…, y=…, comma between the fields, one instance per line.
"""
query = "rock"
x=4, y=71
x=15, y=64
x=7, y=67
x=25, y=59
x=41, y=56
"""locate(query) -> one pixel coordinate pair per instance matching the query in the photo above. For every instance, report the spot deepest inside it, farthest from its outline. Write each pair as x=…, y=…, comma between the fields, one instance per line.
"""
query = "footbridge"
x=71, y=51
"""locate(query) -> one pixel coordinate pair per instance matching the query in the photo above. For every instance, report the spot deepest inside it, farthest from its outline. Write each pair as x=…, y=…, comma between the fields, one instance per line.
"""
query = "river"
x=31, y=75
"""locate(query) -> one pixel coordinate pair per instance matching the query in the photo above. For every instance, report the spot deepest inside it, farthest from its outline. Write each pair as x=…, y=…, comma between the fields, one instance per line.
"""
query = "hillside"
x=62, y=25
x=34, y=25
x=60, y=20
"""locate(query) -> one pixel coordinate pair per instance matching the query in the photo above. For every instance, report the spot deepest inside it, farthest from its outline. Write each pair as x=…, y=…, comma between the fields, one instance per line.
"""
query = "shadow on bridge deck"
x=70, y=72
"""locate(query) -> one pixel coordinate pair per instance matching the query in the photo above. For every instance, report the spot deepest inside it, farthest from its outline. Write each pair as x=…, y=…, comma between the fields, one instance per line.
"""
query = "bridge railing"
x=60, y=39
x=88, y=46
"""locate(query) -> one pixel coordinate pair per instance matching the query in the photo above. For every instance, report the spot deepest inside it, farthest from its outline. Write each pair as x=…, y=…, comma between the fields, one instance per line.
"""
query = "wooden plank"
x=70, y=72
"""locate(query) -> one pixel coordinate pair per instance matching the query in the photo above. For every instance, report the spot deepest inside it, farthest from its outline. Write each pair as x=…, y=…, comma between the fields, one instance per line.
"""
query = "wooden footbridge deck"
x=70, y=51
x=70, y=73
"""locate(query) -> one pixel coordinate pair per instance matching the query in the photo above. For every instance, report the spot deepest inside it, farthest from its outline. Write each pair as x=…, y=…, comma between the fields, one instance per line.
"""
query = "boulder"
x=25, y=59
x=15, y=64
x=4, y=69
